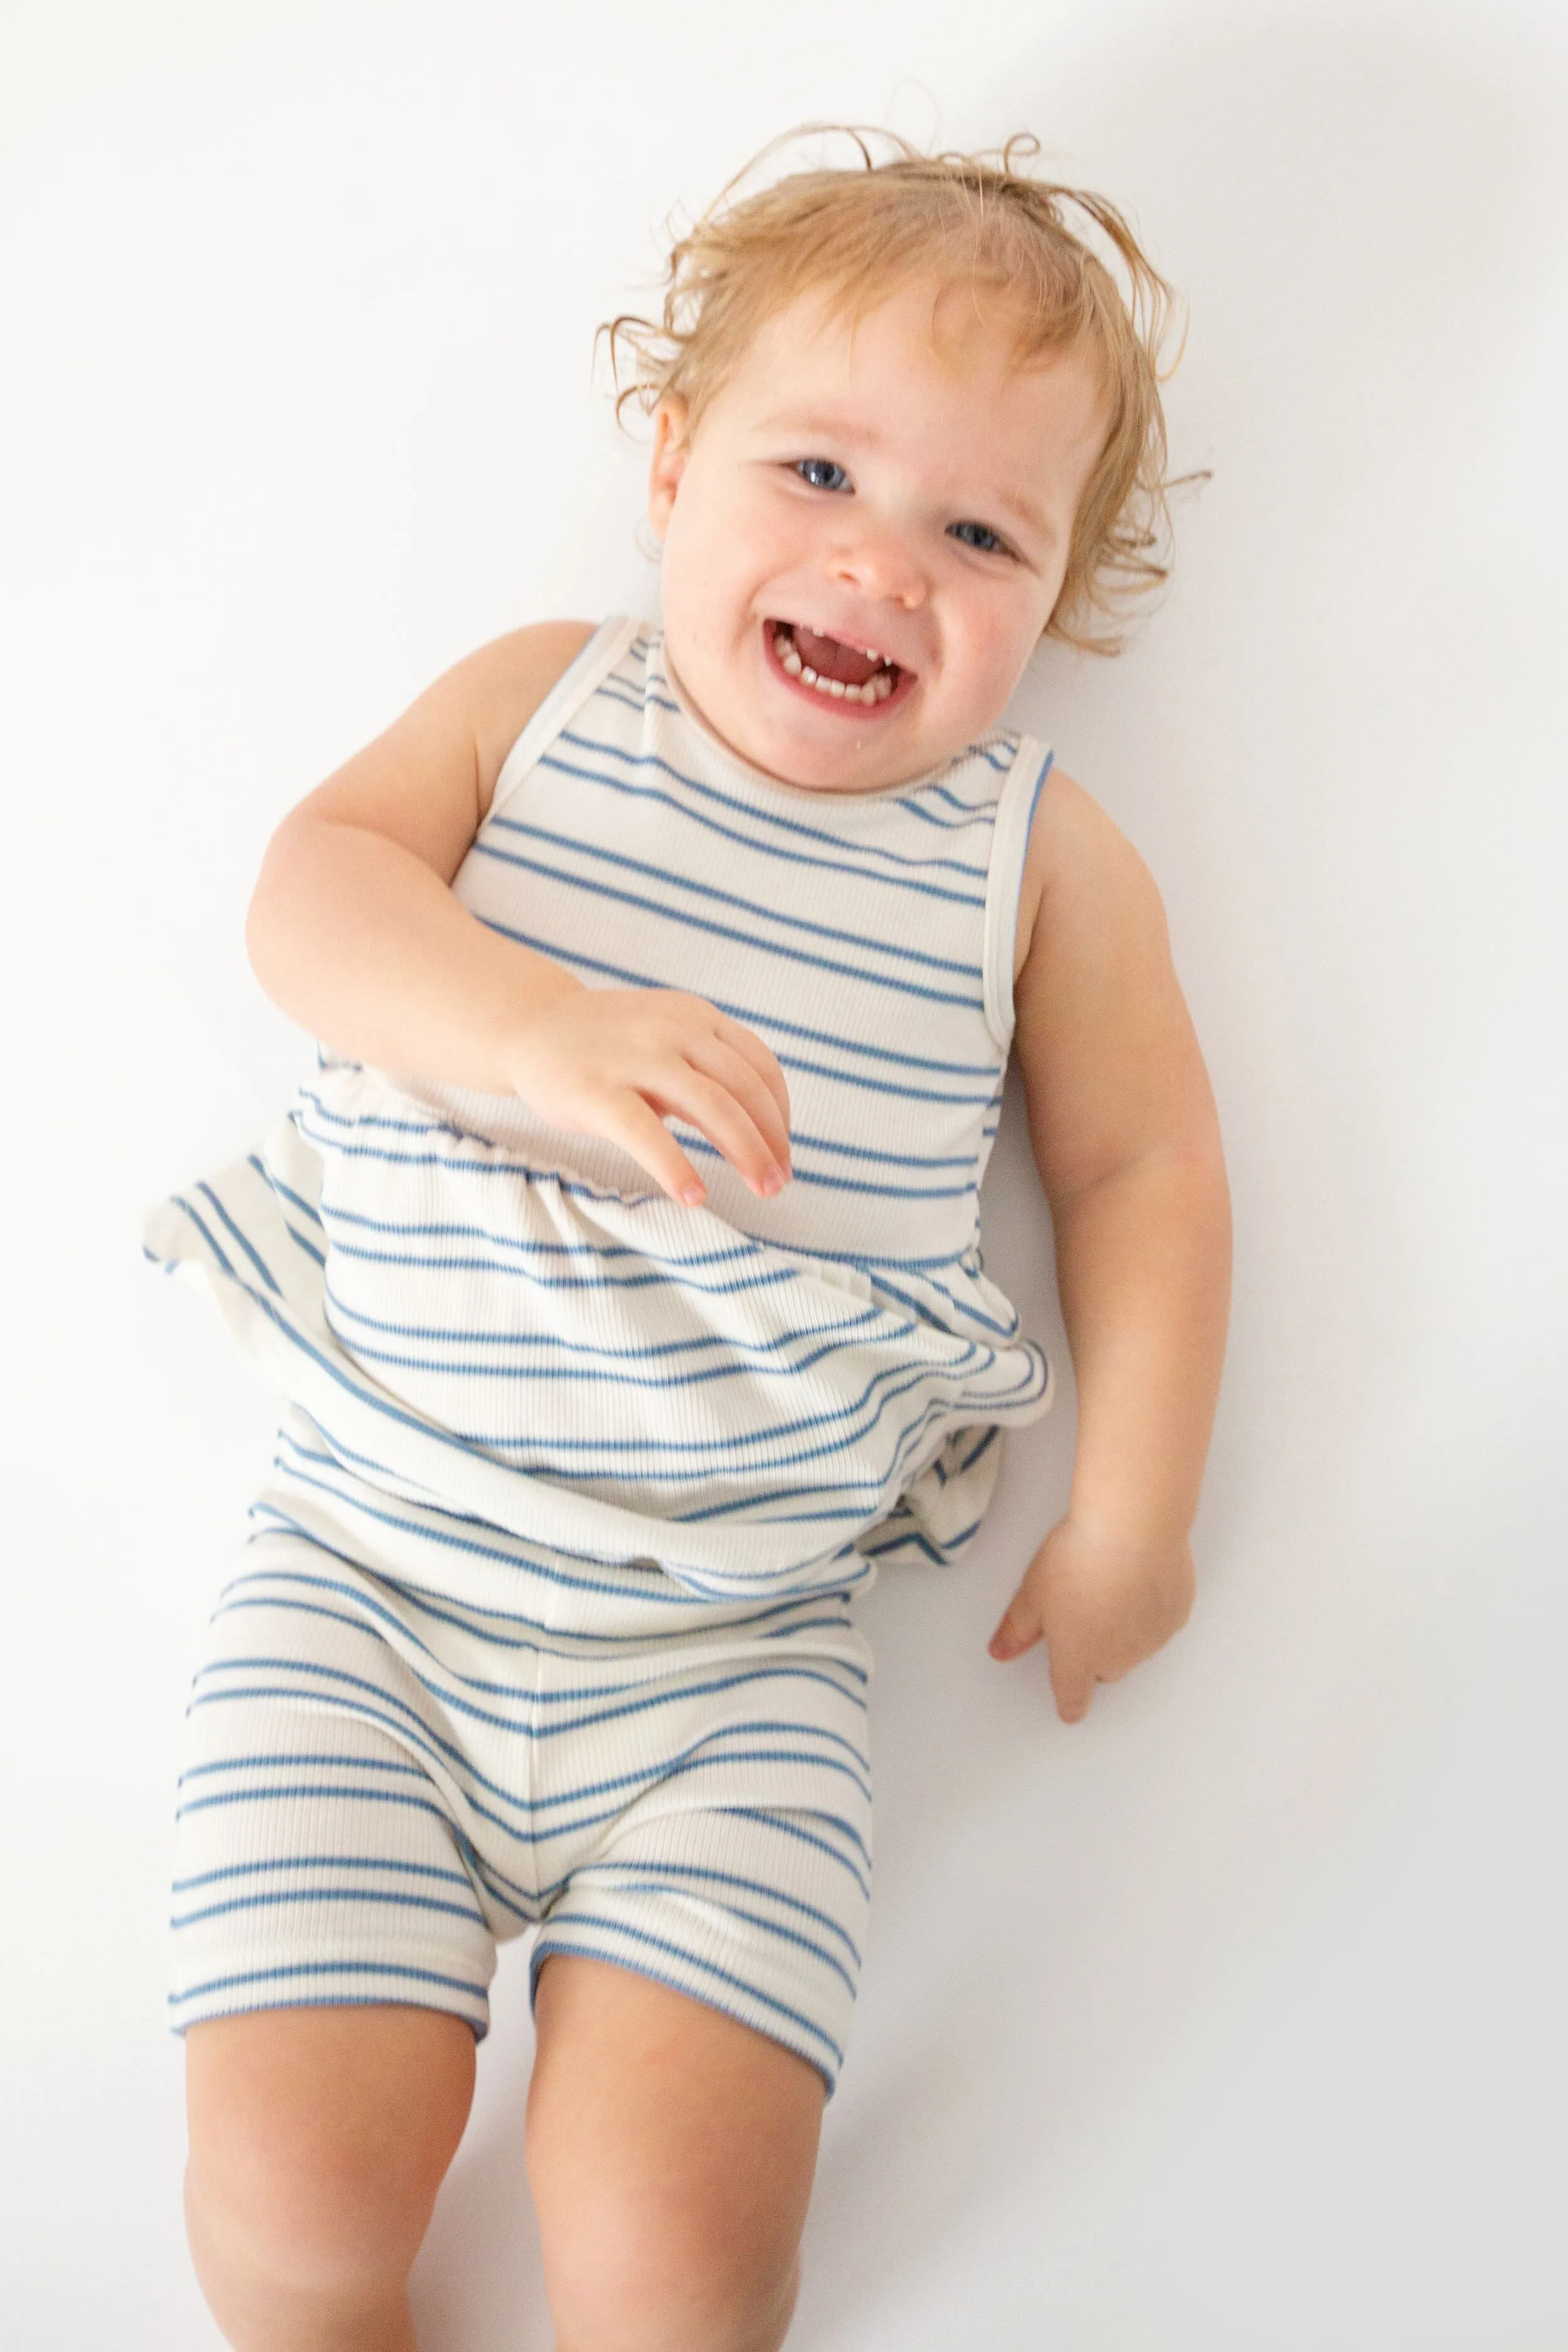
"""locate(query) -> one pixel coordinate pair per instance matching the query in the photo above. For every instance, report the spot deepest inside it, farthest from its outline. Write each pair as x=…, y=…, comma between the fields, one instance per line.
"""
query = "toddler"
x=620, y=1268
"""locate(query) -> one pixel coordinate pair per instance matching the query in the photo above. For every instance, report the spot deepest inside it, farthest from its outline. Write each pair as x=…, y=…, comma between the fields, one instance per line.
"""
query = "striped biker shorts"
x=382, y=1782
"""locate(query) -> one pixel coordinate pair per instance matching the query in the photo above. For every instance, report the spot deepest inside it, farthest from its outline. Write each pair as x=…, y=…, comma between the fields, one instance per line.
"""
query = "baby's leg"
x=319, y=2138
x=670, y=2150
x=325, y=1900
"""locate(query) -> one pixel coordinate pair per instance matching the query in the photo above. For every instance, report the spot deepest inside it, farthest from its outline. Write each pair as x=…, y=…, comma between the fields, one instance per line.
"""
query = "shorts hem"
x=262, y=1988
x=789, y=2028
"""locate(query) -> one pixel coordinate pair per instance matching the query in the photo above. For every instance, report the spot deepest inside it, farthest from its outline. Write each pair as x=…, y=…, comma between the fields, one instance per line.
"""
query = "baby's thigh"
x=671, y=2150
x=317, y=2141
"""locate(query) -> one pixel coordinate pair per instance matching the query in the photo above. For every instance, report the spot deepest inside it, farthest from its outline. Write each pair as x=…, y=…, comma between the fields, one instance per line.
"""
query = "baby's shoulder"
x=504, y=683
x=428, y=780
x=1080, y=870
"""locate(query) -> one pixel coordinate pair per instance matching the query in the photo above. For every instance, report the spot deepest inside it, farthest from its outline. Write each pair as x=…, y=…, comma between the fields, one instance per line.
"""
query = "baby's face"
x=886, y=510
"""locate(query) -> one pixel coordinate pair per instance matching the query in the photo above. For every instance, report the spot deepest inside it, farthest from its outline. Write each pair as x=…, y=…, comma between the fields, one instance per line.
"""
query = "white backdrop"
x=1232, y=2019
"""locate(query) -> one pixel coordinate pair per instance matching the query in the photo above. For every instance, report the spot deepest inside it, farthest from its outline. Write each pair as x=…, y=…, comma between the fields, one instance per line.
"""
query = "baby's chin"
x=855, y=758
x=787, y=728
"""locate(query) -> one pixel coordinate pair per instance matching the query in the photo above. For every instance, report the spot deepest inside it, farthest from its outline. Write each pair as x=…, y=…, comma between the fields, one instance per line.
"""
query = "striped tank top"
x=504, y=1323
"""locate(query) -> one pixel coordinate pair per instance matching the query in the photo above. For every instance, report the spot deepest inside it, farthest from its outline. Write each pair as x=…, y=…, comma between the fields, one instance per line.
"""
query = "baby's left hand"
x=1100, y=1607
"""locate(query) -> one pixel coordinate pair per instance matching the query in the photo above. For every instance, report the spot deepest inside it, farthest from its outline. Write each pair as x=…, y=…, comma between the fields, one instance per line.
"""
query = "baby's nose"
x=883, y=565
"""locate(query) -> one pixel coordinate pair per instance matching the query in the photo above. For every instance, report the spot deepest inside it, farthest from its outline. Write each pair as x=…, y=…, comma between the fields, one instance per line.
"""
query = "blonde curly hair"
x=852, y=232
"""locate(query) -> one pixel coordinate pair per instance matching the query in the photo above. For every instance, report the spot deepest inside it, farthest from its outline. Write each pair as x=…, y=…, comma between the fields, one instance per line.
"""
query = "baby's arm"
x=1127, y=1143
x=354, y=931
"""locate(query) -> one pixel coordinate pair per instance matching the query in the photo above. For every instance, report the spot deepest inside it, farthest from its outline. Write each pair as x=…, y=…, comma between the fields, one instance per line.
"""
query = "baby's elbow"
x=1191, y=1160
x=267, y=916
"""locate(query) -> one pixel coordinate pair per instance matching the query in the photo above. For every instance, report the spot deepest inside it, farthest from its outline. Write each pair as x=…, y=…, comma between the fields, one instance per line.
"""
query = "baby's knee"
x=619, y=2286
x=297, y=2217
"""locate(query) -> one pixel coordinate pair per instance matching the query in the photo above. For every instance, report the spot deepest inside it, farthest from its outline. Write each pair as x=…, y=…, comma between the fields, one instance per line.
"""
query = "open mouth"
x=857, y=674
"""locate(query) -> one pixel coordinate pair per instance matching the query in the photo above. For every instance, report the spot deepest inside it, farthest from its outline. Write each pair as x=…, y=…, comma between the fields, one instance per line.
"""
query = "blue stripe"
x=799, y=1140
x=605, y=1375
x=674, y=1596
x=320, y=1862
x=855, y=1417
x=997, y=750
x=643, y=793
x=738, y=1911
x=915, y=1537
x=876, y=1085
x=786, y=1826
x=783, y=825
x=635, y=1648
x=407, y=1723
x=324, y=1968
x=596, y=889
x=448, y=1437
x=527, y=1693
x=451, y=1699
x=659, y=1871
x=259, y=1263
x=763, y=1021
x=727, y=1456
x=318, y=1255
x=551, y=1940
x=456, y=1335
x=768, y=1280
x=855, y=1421
x=286, y=1191
x=693, y=1760
x=703, y=890
x=732, y=1622
x=940, y=792
x=305, y=1896
x=448, y=1534
x=294, y=1790
x=694, y=1141
x=638, y=699
x=293, y=1758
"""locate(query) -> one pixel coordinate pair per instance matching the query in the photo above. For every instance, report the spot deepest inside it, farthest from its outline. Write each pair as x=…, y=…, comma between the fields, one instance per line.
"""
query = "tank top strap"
x=1015, y=805
x=577, y=684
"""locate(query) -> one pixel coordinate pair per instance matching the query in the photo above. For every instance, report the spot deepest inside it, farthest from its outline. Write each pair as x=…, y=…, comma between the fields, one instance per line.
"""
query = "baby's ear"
x=671, y=446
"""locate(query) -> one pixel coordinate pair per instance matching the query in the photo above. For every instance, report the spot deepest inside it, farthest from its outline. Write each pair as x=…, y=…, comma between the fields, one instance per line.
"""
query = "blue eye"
x=815, y=470
x=977, y=535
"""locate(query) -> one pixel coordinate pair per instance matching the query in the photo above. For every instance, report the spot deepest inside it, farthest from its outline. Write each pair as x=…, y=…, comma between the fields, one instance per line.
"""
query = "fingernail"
x=694, y=1196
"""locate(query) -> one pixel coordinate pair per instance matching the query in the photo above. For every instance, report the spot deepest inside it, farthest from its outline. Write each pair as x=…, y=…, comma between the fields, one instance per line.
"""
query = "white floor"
x=1232, y=2021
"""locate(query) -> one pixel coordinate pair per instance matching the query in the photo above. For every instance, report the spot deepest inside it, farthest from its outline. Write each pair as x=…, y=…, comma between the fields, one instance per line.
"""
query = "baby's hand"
x=618, y=1062
x=1101, y=1608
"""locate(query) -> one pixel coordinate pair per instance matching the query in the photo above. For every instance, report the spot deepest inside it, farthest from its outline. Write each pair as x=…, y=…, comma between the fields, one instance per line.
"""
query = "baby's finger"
x=629, y=1120
x=1019, y=1630
x=1072, y=1685
x=731, y=1070
x=747, y=1042
x=690, y=1093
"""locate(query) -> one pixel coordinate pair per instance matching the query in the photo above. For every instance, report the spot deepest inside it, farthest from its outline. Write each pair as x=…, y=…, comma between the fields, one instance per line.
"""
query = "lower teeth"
x=876, y=688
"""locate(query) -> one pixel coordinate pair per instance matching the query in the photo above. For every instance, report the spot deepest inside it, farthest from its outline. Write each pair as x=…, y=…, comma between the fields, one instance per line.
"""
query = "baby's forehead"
x=979, y=334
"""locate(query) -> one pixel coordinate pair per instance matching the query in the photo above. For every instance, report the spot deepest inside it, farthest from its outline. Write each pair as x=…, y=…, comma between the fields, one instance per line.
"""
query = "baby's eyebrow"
x=1028, y=513
x=838, y=428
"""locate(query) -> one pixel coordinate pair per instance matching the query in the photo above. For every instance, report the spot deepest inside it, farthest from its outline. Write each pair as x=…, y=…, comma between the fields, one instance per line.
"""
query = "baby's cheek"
x=990, y=672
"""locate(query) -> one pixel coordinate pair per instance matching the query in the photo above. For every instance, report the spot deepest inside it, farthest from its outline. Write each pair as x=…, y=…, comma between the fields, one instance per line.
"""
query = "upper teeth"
x=875, y=689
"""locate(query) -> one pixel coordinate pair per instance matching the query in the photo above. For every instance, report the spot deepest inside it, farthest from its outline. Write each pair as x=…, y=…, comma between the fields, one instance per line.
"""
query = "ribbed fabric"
x=381, y=1785
x=546, y=1616
x=503, y=1323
